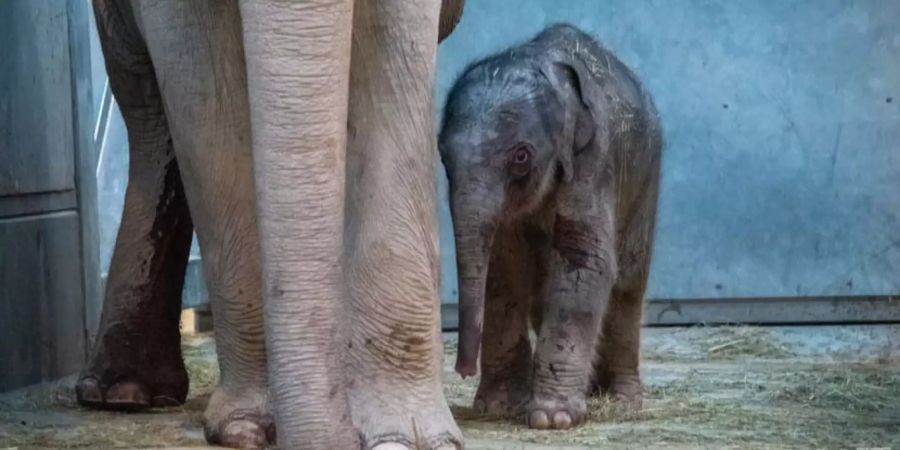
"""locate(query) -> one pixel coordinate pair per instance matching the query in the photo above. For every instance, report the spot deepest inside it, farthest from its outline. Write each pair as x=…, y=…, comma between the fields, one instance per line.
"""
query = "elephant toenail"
x=539, y=420
x=128, y=395
x=164, y=401
x=562, y=420
x=448, y=446
x=87, y=391
x=390, y=446
x=244, y=434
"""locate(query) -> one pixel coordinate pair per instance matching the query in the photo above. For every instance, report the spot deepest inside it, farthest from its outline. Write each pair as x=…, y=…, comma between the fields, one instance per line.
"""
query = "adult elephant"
x=329, y=103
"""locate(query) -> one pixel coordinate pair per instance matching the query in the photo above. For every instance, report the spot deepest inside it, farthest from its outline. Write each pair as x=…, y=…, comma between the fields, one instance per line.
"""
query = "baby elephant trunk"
x=473, y=244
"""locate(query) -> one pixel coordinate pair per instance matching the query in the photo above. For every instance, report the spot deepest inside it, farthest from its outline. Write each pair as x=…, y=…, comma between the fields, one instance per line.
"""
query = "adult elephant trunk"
x=474, y=227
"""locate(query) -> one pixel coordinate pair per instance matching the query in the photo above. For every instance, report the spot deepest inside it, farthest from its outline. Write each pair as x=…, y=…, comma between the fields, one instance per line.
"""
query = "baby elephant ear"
x=578, y=90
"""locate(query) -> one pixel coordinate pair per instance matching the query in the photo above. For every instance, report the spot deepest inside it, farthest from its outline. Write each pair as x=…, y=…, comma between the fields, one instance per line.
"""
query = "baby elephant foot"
x=500, y=397
x=494, y=403
x=627, y=391
x=238, y=421
x=556, y=413
x=123, y=390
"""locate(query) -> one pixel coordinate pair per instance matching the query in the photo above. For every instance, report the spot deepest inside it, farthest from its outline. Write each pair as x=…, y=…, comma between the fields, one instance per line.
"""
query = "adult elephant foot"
x=132, y=378
x=239, y=420
x=407, y=420
x=394, y=356
x=396, y=446
x=394, y=352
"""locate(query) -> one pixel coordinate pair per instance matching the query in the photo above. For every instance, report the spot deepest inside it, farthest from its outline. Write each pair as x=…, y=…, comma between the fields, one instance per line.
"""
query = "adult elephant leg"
x=298, y=56
x=197, y=53
x=391, y=248
x=136, y=361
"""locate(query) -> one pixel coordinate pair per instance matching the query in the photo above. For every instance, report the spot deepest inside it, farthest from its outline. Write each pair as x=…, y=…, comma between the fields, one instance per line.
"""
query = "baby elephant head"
x=513, y=127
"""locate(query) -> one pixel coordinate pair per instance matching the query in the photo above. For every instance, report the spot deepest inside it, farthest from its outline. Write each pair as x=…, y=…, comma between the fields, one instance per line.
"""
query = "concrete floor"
x=706, y=387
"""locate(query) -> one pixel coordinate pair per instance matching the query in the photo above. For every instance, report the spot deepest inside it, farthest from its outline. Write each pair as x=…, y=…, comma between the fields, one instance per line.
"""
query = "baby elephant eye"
x=520, y=159
x=521, y=155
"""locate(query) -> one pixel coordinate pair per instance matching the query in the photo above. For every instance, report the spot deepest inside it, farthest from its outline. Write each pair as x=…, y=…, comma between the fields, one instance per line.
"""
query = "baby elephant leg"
x=581, y=270
x=506, y=349
x=619, y=349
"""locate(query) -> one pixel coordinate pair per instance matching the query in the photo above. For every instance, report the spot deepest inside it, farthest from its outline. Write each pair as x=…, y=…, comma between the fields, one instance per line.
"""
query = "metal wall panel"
x=36, y=137
x=41, y=308
x=48, y=242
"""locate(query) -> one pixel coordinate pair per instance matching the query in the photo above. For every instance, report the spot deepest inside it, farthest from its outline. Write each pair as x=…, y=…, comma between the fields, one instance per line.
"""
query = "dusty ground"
x=725, y=387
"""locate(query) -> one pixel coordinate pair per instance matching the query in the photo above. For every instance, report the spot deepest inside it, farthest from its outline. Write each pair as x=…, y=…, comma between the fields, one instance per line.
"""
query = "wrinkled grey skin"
x=552, y=150
x=300, y=209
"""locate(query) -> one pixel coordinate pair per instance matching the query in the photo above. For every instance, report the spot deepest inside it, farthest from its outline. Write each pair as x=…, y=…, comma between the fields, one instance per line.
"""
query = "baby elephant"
x=552, y=150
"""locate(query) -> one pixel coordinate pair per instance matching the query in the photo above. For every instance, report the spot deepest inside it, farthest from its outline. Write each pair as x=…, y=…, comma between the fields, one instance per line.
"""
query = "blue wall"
x=782, y=118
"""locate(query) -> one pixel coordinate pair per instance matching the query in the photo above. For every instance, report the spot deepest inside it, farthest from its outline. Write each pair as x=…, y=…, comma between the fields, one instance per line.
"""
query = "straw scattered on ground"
x=705, y=387
x=726, y=387
x=49, y=417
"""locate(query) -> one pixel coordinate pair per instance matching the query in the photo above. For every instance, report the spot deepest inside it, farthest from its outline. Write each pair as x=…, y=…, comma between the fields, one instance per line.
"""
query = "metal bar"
x=774, y=310
x=753, y=310
x=79, y=23
x=101, y=130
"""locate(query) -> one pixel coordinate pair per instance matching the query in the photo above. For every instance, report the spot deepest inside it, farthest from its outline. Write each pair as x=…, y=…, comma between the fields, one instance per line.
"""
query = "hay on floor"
x=711, y=387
